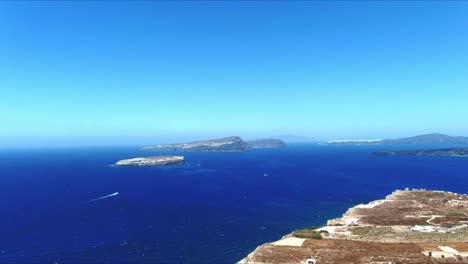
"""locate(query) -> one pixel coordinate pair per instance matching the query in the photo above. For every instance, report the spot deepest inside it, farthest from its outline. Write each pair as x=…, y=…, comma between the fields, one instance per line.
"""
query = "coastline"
x=422, y=221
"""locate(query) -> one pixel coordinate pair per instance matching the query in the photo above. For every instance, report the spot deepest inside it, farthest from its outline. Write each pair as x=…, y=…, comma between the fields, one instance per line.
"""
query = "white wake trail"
x=103, y=197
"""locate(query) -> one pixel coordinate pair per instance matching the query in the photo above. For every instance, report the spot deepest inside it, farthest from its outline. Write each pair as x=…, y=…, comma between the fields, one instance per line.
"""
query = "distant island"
x=451, y=152
x=227, y=144
x=427, y=139
x=416, y=226
x=152, y=161
x=266, y=143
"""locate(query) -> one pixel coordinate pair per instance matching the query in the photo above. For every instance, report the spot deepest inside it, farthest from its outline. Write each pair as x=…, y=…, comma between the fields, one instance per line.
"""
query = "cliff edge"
x=410, y=226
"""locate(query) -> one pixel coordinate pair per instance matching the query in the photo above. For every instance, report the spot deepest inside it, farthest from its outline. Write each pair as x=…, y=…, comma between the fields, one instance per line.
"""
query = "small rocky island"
x=409, y=226
x=450, y=152
x=152, y=161
x=227, y=144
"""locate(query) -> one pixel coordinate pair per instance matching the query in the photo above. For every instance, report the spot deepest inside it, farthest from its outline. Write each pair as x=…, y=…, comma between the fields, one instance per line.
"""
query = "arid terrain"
x=410, y=226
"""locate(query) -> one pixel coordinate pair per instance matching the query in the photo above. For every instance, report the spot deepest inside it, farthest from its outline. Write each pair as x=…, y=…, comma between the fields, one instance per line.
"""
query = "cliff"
x=415, y=226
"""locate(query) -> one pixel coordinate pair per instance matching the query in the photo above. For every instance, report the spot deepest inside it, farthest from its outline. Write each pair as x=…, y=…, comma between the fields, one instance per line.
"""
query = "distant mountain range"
x=227, y=144
x=428, y=139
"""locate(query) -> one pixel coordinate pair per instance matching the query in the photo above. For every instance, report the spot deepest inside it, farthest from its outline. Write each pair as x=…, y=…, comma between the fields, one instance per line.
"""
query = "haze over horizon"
x=122, y=73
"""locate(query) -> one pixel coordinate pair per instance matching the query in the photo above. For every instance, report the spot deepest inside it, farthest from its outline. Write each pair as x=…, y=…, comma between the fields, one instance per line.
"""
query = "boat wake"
x=103, y=197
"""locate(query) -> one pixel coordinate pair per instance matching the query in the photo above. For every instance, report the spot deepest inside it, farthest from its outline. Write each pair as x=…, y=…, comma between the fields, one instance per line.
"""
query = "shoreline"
x=433, y=224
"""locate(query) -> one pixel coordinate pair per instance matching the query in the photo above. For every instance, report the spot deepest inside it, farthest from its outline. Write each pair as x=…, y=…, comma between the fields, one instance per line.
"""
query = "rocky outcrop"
x=152, y=161
x=410, y=226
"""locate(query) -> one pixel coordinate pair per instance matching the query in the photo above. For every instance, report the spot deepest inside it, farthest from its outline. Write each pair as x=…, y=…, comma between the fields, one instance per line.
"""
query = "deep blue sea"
x=215, y=209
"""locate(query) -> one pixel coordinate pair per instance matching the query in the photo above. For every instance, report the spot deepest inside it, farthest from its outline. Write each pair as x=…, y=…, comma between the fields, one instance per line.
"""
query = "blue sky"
x=91, y=73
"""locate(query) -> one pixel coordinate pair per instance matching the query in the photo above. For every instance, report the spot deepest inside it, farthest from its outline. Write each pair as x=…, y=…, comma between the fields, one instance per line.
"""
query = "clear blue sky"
x=88, y=72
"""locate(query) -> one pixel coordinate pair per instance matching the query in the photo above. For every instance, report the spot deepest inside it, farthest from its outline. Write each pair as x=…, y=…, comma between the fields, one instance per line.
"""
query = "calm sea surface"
x=215, y=209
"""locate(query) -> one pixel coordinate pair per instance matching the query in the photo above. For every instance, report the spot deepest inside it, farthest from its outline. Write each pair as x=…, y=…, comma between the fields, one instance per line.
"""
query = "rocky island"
x=449, y=152
x=266, y=143
x=152, y=161
x=410, y=226
x=227, y=144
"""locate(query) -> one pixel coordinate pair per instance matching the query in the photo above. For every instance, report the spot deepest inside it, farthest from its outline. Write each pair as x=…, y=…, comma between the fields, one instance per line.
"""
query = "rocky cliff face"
x=152, y=161
x=416, y=226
